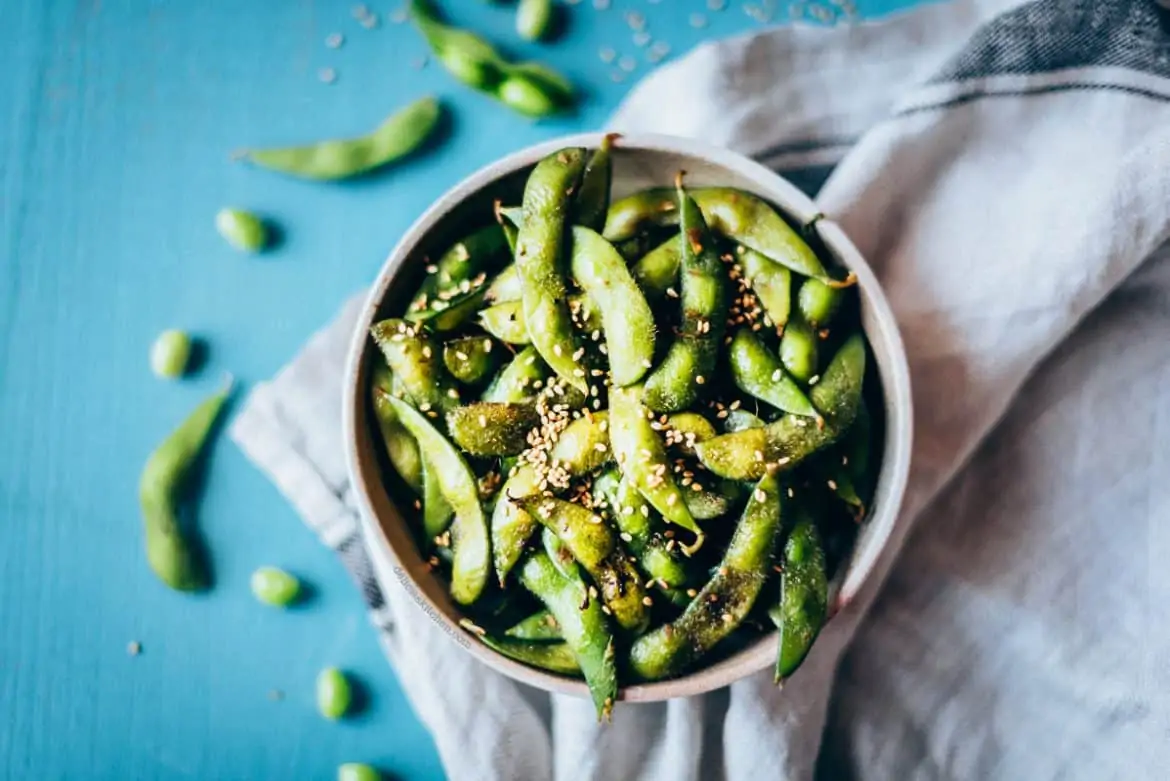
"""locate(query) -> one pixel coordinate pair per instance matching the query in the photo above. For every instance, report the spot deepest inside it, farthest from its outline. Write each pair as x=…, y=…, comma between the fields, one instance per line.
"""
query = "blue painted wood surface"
x=119, y=117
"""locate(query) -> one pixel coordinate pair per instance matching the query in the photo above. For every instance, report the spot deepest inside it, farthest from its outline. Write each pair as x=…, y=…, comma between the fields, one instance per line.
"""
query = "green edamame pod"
x=758, y=372
x=582, y=447
x=709, y=503
x=417, y=362
x=724, y=602
x=559, y=554
x=516, y=382
x=172, y=557
x=690, y=362
x=595, y=547
x=771, y=283
x=656, y=272
x=533, y=18
x=399, y=135
x=437, y=511
x=636, y=521
x=798, y=349
x=505, y=321
x=458, y=485
x=511, y=233
x=506, y=285
x=593, y=197
x=804, y=597
x=626, y=318
x=462, y=268
x=744, y=455
x=555, y=657
x=470, y=359
x=818, y=302
x=486, y=428
x=740, y=420
x=400, y=446
x=538, y=259
x=582, y=623
x=684, y=430
x=642, y=456
x=541, y=625
x=450, y=314
x=847, y=467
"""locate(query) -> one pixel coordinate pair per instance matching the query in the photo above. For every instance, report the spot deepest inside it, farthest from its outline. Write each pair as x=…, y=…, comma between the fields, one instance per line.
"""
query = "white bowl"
x=639, y=161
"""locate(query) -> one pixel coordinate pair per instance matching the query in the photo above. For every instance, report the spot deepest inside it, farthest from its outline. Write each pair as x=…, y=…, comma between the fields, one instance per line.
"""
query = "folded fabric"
x=1004, y=167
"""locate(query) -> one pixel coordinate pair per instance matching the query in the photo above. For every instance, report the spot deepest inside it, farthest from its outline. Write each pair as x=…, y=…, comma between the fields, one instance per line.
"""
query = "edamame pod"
x=740, y=420
x=770, y=282
x=798, y=349
x=541, y=625
x=595, y=547
x=804, y=597
x=450, y=314
x=583, y=626
x=506, y=285
x=559, y=554
x=462, y=268
x=416, y=360
x=490, y=429
x=745, y=454
x=538, y=259
x=458, y=485
x=399, y=135
x=437, y=512
x=626, y=318
x=173, y=558
x=642, y=456
x=636, y=521
x=470, y=359
x=593, y=197
x=684, y=430
x=555, y=657
x=505, y=321
x=724, y=602
x=818, y=302
x=517, y=382
x=656, y=272
x=400, y=446
x=758, y=372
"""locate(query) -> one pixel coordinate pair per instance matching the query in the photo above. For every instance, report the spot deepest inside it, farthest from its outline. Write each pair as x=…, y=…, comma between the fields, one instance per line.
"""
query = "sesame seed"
x=334, y=40
x=776, y=375
x=700, y=380
x=832, y=485
x=327, y=75
x=791, y=493
x=727, y=619
x=134, y=648
x=760, y=495
x=647, y=601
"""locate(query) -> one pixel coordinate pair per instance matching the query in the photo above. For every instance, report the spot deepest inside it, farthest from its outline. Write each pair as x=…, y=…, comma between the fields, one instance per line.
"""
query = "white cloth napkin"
x=1005, y=167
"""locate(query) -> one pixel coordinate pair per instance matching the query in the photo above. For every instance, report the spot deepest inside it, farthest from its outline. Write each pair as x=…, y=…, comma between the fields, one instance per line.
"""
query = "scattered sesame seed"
x=647, y=601
x=134, y=648
x=334, y=40
x=700, y=380
x=698, y=21
x=327, y=75
x=641, y=38
x=627, y=63
x=369, y=22
x=716, y=5
x=276, y=695
x=601, y=5
x=776, y=375
x=832, y=485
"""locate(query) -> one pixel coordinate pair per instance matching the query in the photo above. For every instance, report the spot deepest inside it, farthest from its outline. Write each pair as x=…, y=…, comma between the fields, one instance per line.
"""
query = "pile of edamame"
x=634, y=434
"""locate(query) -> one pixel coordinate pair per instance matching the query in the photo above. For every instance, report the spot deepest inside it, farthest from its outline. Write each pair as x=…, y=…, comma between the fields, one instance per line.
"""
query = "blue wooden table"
x=114, y=157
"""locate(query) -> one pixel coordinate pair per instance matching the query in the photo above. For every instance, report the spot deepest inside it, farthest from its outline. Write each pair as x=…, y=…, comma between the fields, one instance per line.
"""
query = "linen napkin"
x=1005, y=167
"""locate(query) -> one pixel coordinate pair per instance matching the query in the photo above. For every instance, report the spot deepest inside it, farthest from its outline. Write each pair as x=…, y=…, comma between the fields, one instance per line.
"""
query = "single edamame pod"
x=744, y=455
x=169, y=354
x=595, y=547
x=724, y=602
x=818, y=302
x=582, y=623
x=533, y=18
x=398, y=135
x=242, y=229
x=459, y=487
x=798, y=349
x=654, y=554
x=656, y=272
x=684, y=430
x=274, y=586
x=334, y=694
x=505, y=321
x=172, y=557
x=555, y=657
x=515, y=382
x=506, y=285
x=559, y=554
x=690, y=362
x=470, y=359
x=437, y=511
x=740, y=420
x=541, y=625
x=593, y=196
x=804, y=597
x=626, y=318
x=417, y=362
x=642, y=456
x=401, y=449
x=771, y=283
x=538, y=260
x=462, y=268
x=757, y=372
x=489, y=429
x=356, y=771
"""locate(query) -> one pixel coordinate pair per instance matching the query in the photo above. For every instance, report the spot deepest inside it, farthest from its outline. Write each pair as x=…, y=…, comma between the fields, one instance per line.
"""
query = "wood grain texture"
x=118, y=120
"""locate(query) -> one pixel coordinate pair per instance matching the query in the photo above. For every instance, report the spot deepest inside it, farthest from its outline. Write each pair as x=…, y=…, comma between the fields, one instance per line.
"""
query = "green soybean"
x=593, y=196
x=397, y=136
x=470, y=359
x=334, y=695
x=242, y=229
x=533, y=18
x=758, y=372
x=170, y=353
x=818, y=302
x=274, y=586
x=356, y=771
x=798, y=349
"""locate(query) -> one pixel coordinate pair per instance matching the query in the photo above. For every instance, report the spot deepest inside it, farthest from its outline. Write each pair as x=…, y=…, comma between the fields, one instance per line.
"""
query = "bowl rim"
x=894, y=372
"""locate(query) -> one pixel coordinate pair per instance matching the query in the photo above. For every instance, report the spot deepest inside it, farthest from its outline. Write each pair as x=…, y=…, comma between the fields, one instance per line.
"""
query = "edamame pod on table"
x=758, y=372
x=171, y=555
x=519, y=380
x=486, y=428
x=627, y=322
x=744, y=455
x=595, y=547
x=593, y=196
x=470, y=359
x=458, y=485
x=736, y=214
x=400, y=446
x=399, y=135
x=724, y=602
x=555, y=657
x=541, y=625
x=690, y=361
x=583, y=626
x=642, y=457
x=417, y=362
x=538, y=259
x=804, y=597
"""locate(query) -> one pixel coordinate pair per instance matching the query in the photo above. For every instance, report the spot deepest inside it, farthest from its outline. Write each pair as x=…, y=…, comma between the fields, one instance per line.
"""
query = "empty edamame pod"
x=818, y=302
x=593, y=196
x=399, y=134
x=757, y=371
x=804, y=597
x=401, y=449
x=583, y=626
x=517, y=381
x=690, y=362
x=798, y=349
x=459, y=487
x=724, y=602
x=626, y=319
x=417, y=362
x=541, y=625
x=538, y=259
x=470, y=359
x=171, y=555
x=595, y=547
x=556, y=657
x=487, y=428
x=744, y=455
x=642, y=456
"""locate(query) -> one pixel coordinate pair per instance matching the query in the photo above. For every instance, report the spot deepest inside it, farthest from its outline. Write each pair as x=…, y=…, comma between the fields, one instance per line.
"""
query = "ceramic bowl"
x=639, y=161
